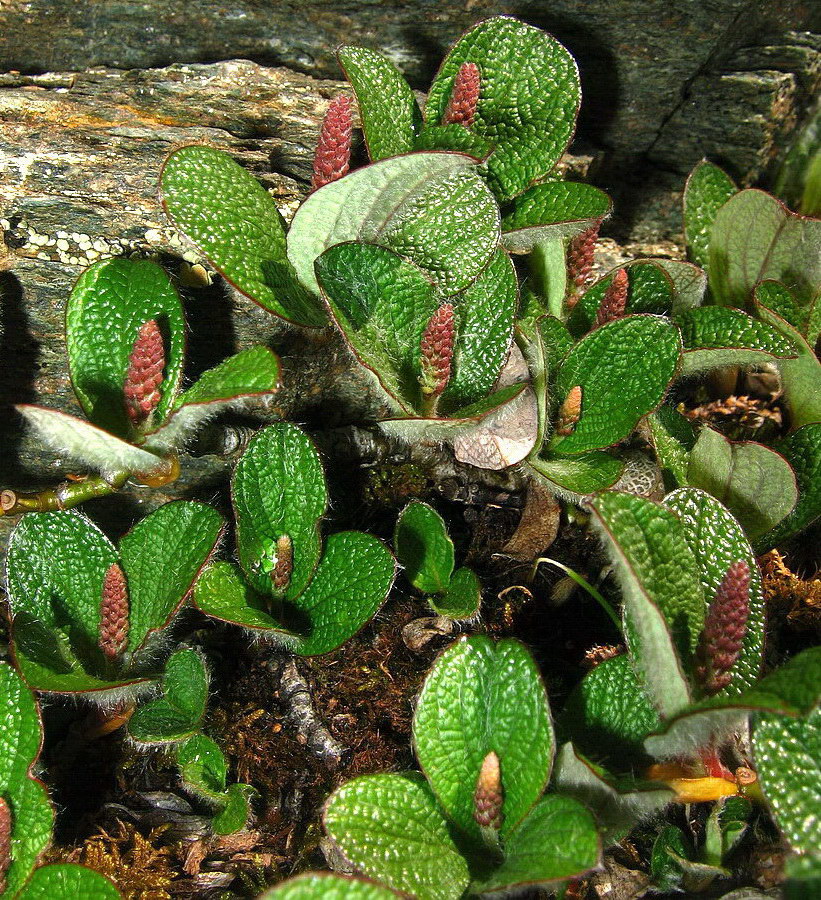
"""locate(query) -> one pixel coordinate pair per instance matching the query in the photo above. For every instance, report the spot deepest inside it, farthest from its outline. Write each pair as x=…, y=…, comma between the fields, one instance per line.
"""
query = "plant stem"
x=64, y=496
x=582, y=582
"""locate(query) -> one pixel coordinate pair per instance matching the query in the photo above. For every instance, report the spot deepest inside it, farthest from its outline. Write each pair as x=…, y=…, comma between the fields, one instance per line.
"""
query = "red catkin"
x=614, y=302
x=113, y=637
x=724, y=629
x=332, y=159
x=580, y=254
x=436, y=351
x=284, y=565
x=488, y=797
x=144, y=375
x=570, y=411
x=464, y=97
x=6, y=825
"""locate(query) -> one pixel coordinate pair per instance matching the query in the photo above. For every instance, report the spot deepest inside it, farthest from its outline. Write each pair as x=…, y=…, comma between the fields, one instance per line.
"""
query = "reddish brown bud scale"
x=284, y=564
x=144, y=375
x=436, y=351
x=724, y=629
x=332, y=159
x=614, y=302
x=487, y=797
x=580, y=253
x=464, y=97
x=113, y=638
x=6, y=826
x=570, y=411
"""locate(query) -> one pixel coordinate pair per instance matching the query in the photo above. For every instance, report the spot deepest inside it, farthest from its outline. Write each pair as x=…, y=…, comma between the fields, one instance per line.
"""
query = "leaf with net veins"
x=708, y=189
x=424, y=548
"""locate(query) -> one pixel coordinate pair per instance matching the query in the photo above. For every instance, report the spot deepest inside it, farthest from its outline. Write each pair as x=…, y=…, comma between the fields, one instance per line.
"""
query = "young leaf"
x=162, y=557
x=580, y=475
x=429, y=207
x=66, y=881
x=529, y=120
x=391, y=828
x=234, y=815
x=327, y=886
x=557, y=840
x=178, y=714
x=673, y=438
x=755, y=483
x=234, y=221
x=202, y=767
x=623, y=369
x=424, y=548
x=717, y=541
x=548, y=271
x=279, y=489
x=474, y=701
x=552, y=211
x=663, y=601
x=708, y=189
x=388, y=109
x=462, y=598
x=109, y=304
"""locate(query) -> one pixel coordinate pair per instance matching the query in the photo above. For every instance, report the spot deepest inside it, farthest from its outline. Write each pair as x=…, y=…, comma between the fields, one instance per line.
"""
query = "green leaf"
x=462, y=598
x=717, y=336
x=20, y=740
x=802, y=450
x=708, y=189
x=234, y=221
x=429, y=207
x=279, y=488
x=66, y=881
x=108, y=305
x=788, y=762
x=382, y=305
x=475, y=700
x=619, y=803
x=484, y=317
x=424, y=548
x=717, y=541
x=250, y=373
x=558, y=840
x=774, y=296
x=608, y=715
x=388, y=109
x=202, y=767
x=663, y=601
x=162, y=557
x=673, y=438
x=91, y=446
x=528, y=101
x=327, y=886
x=548, y=272
x=578, y=476
x=234, y=816
x=668, y=848
x=391, y=828
x=178, y=714
x=755, y=483
x=756, y=238
x=552, y=211
x=689, y=283
x=624, y=369
x=453, y=137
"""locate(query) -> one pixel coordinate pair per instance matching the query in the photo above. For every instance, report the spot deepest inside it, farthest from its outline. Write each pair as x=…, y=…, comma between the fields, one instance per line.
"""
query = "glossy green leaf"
x=162, y=556
x=429, y=207
x=178, y=714
x=662, y=594
x=773, y=295
x=234, y=816
x=66, y=881
x=755, y=483
x=88, y=445
x=623, y=369
x=391, y=828
x=327, y=886
x=668, y=849
x=475, y=700
x=553, y=211
x=453, y=137
x=717, y=336
x=528, y=99
x=717, y=540
x=279, y=488
x=462, y=598
x=424, y=548
x=235, y=222
x=708, y=189
x=756, y=238
x=557, y=840
x=109, y=304
x=203, y=767
x=673, y=438
x=580, y=475
x=802, y=450
x=390, y=115
x=548, y=278
x=251, y=373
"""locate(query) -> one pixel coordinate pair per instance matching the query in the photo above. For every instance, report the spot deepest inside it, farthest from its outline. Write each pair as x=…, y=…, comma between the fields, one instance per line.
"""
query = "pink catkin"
x=114, y=610
x=332, y=159
x=6, y=826
x=436, y=351
x=570, y=411
x=614, y=302
x=144, y=375
x=580, y=254
x=464, y=97
x=487, y=796
x=724, y=629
